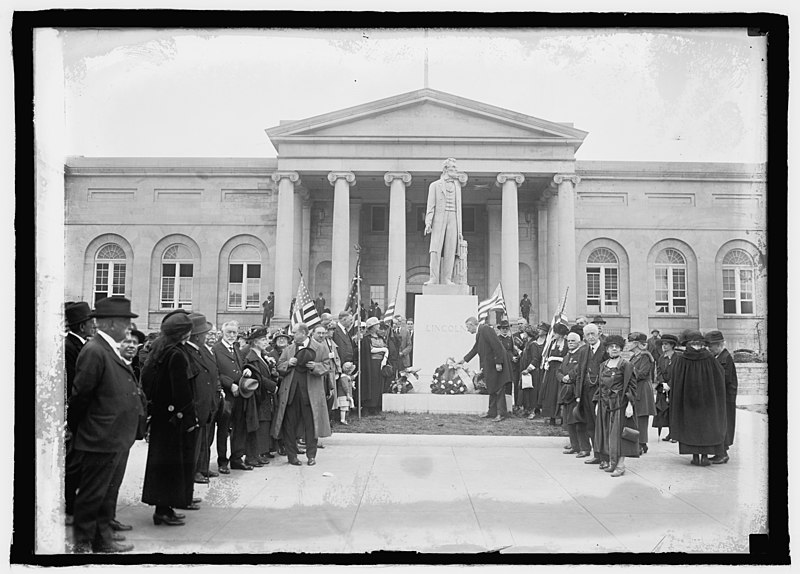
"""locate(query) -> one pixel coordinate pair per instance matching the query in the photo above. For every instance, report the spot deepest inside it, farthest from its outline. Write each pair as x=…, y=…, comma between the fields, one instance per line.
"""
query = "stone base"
x=439, y=333
x=472, y=404
x=445, y=290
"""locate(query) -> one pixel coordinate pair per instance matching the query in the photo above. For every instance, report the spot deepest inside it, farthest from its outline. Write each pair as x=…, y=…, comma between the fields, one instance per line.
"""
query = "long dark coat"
x=663, y=376
x=697, y=410
x=169, y=474
x=532, y=359
x=72, y=347
x=587, y=387
x=491, y=353
x=548, y=398
x=317, y=389
x=570, y=366
x=105, y=406
x=372, y=381
x=204, y=384
x=511, y=351
x=344, y=345
x=264, y=396
x=731, y=388
x=615, y=390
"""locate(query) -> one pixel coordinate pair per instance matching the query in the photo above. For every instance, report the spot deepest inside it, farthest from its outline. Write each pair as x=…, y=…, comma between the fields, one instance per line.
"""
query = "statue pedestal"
x=438, y=289
x=439, y=330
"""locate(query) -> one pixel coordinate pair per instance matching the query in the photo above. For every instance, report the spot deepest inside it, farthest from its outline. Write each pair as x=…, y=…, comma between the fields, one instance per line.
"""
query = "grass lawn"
x=432, y=423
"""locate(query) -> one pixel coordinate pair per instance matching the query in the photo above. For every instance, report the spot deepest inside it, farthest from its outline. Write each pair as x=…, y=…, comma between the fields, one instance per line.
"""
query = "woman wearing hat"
x=697, y=416
x=373, y=353
x=166, y=379
x=643, y=366
x=548, y=397
x=616, y=397
x=664, y=383
x=532, y=364
x=261, y=367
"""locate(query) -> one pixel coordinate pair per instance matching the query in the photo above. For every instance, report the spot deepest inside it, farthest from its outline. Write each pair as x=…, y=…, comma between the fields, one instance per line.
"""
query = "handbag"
x=527, y=381
x=630, y=434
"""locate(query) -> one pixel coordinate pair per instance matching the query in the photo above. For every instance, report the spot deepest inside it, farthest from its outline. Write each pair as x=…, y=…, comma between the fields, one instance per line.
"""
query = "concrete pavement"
x=467, y=494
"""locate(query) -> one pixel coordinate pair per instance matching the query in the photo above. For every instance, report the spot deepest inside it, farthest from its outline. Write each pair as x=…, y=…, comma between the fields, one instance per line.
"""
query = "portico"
x=362, y=175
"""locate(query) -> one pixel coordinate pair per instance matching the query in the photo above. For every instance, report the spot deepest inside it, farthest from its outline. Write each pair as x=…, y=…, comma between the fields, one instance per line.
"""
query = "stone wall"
x=752, y=379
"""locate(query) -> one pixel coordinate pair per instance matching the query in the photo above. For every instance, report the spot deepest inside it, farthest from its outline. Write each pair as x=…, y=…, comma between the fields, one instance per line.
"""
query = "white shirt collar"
x=193, y=345
x=74, y=334
x=110, y=341
x=595, y=346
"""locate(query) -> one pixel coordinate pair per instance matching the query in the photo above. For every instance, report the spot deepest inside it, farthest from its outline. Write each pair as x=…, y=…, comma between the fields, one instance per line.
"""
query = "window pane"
x=187, y=269
x=729, y=305
x=101, y=277
x=119, y=279
x=593, y=282
x=746, y=279
x=253, y=271
x=235, y=272
x=728, y=283
x=168, y=270
x=747, y=307
x=611, y=286
x=679, y=282
x=593, y=305
x=253, y=293
x=662, y=284
x=167, y=291
x=185, y=290
x=235, y=295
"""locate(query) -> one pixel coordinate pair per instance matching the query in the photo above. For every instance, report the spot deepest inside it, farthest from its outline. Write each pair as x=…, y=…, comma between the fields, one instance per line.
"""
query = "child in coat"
x=344, y=390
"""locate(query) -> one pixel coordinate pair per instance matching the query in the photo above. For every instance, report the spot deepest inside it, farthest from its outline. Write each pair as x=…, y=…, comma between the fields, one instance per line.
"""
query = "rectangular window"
x=593, y=289
x=109, y=280
x=244, y=286
x=662, y=290
x=611, y=290
x=176, y=285
x=377, y=293
x=678, y=290
x=378, y=218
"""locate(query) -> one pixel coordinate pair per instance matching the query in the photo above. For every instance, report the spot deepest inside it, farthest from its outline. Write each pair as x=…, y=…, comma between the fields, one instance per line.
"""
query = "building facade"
x=644, y=244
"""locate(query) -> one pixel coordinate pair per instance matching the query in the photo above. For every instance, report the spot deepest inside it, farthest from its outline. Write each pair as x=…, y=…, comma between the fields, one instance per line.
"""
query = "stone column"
x=340, y=241
x=493, y=277
x=553, y=295
x=509, y=271
x=542, y=247
x=397, y=182
x=567, y=271
x=284, y=242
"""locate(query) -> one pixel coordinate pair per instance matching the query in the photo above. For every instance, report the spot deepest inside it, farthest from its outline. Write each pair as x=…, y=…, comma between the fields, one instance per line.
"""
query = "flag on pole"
x=496, y=301
x=389, y=314
x=304, y=309
x=558, y=317
x=352, y=297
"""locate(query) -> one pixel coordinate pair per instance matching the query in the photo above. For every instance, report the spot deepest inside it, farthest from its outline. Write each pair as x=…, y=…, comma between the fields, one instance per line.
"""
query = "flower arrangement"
x=452, y=379
x=405, y=381
x=480, y=383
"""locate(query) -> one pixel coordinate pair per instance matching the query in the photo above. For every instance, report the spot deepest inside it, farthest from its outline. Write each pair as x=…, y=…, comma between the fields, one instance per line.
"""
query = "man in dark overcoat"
x=80, y=326
x=229, y=363
x=342, y=338
x=495, y=364
x=302, y=396
x=716, y=345
x=586, y=386
x=103, y=416
x=204, y=388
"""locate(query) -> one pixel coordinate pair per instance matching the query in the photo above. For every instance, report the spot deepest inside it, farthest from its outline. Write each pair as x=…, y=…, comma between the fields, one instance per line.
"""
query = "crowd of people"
x=266, y=393
x=605, y=389
x=255, y=395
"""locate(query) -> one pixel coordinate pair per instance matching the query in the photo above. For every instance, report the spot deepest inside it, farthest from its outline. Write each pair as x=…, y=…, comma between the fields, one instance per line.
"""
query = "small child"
x=344, y=391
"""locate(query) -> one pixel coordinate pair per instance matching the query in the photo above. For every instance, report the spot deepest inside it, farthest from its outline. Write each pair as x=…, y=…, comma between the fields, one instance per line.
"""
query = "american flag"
x=496, y=301
x=304, y=309
x=389, y=314
x=352, y=297
x=558, y=317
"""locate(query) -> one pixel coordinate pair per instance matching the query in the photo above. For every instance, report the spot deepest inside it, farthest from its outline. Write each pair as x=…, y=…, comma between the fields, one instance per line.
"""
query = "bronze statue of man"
x=443, y=222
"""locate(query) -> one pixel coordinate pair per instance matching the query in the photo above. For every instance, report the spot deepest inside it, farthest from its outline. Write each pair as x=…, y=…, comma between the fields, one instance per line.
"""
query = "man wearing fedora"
x=80, y=327
x=495, y=364
x=103, y=415
x=205, y=389
x=302, y=395
x=716, y=345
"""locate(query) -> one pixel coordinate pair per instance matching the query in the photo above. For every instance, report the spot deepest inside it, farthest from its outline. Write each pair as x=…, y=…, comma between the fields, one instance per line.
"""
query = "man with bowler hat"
x=80, y=326
x=103, y=416
x=716, y=345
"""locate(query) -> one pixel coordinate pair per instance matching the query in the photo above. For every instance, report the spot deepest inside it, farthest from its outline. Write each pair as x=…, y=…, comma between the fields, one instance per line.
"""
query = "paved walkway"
x=468, y=494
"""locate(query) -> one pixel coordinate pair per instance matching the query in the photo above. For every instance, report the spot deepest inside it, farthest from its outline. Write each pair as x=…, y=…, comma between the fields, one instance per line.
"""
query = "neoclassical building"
x=644, y=244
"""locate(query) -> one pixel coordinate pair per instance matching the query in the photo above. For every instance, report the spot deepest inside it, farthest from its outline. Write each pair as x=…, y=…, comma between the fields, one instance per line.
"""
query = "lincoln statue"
x=443, y=222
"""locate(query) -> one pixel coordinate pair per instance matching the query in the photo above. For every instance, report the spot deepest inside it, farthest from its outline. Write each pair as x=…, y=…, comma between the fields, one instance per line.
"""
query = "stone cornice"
x=504, y=177
x=348, y=176
x=389, y=177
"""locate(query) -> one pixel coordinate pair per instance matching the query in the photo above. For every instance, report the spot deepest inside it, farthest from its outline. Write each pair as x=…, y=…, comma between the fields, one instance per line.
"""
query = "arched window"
x=602, y=281
x=177, y=272
x=738, y=284
x=244, y=278
x=671, y=282
x=109, y=272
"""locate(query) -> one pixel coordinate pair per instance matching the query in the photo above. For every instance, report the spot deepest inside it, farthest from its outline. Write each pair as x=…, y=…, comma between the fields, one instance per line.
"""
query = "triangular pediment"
x=426, y=113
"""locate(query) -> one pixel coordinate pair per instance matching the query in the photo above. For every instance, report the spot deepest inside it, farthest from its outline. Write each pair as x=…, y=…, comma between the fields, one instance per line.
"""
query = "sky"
x=659, y=95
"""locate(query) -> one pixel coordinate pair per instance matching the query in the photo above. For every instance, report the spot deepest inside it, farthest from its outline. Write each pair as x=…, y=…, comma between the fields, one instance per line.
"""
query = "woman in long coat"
x=548, y=397
x=697, y=415
x=532, y=357
x=261, y=367
x=166, y=379
x=664, y=383
x=373, y=350
x=643, y=368
x=616, y=394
